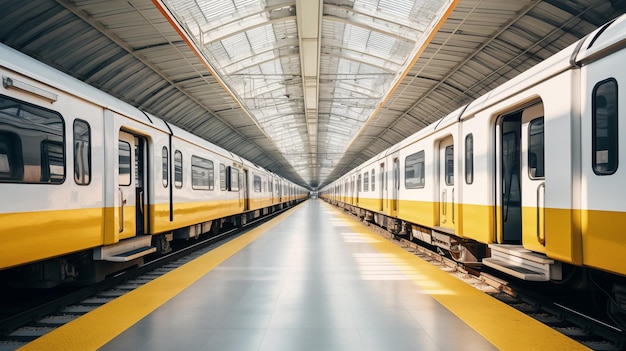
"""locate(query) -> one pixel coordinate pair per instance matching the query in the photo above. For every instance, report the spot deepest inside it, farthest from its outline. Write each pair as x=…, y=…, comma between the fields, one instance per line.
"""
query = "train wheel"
x=409, y=233
x=215, y=228
x=163, y=246
x=617, y=304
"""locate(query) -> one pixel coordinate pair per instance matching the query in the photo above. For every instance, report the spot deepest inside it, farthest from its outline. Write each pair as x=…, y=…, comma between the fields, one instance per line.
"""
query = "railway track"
x=588, y=330
x=18, y=329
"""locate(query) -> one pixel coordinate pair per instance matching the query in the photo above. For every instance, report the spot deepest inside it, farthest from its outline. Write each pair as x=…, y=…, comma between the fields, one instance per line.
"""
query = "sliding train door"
x=521, y=186
x=382, y=188
x=533, y=178
x=447, y=194
x=510, y=209
x=131, y=191
x=246, y=192
x=395, y=192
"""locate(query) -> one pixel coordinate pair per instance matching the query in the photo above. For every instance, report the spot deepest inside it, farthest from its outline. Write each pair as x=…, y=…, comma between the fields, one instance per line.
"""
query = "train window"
x=535, y=149
x=358, y=184
x=234, y=179
x=11, y=168
x=366, y=181
x=82, y=152
x=449, y=165
x=604, y=136
x=257, y=184
x=202, y=176
x=124, y=163
x=469, y=159
x=414, y=174
x=373, y=180
x=33, y=143
x=165, y=163
x=222, y=177
x=52, y=163
x=178, y=169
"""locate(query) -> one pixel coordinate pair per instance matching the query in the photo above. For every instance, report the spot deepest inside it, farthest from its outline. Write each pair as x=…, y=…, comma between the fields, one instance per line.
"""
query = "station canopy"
x=297, y=66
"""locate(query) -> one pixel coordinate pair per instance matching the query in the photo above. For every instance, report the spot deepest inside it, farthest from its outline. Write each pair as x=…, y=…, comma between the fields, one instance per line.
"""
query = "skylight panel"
x=255, y=48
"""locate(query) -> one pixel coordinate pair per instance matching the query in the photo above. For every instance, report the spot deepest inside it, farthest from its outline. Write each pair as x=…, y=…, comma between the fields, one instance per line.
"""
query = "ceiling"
x=306, y=88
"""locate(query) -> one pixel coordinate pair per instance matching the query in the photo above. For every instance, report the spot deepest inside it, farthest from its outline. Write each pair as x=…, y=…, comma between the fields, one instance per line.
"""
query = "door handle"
x=452, y=205
x=122, y=203
x=541, y=240
x=141, y=202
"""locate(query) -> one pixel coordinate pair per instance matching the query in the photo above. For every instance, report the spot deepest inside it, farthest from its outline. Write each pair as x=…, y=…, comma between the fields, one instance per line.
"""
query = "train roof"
x=602, y=41
x=24, y=64
x=422, y=133
x=554, y=65
x=598, y=43
x=194, y=139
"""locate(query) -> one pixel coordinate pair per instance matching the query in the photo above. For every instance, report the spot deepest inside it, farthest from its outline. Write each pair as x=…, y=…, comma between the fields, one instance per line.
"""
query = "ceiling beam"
x=309, y=17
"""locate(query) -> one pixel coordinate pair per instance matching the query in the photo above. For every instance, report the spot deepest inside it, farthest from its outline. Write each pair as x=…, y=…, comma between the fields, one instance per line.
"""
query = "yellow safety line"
x=504, y=326
x=94, y=329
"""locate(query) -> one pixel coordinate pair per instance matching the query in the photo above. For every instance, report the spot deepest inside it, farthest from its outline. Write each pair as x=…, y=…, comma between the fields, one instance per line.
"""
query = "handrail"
x=541, y=240
x=452, y=205
x=122, y=203
x=444, y=202
x=140, y=204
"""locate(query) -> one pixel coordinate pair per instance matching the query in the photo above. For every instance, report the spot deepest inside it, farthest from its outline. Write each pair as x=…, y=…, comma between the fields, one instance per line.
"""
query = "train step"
x=522, y=263
x=126, y=250
x=131, y=255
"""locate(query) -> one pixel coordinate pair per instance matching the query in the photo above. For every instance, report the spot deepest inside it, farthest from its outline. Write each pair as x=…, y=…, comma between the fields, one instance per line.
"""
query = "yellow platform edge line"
x=503, y=326
x=96, y=328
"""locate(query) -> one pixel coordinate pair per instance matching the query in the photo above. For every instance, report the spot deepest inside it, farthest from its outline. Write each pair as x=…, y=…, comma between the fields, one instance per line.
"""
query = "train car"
x=91, y=185
x=526, y=179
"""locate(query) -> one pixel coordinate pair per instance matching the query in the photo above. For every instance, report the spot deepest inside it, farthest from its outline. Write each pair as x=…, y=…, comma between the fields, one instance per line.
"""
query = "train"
x=525, y=180
x=90, y=184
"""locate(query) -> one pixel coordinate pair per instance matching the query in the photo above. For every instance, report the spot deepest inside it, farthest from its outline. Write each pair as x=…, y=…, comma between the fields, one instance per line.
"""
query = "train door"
x=395, y=192
x=382, y=187
x=270, y=183
x=509, y=162
x=446, y=183
x=359, y=184
x=521, y=167
x=352, y=190
x=131, y=185
x=245, y=193
x=533, y=178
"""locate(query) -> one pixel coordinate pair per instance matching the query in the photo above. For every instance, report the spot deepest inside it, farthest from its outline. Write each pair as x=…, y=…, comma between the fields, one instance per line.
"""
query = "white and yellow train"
x=526, y=179
x=89, y=183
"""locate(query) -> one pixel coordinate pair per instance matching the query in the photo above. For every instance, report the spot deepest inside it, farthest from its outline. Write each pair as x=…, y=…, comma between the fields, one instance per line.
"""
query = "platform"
x=311, y=279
